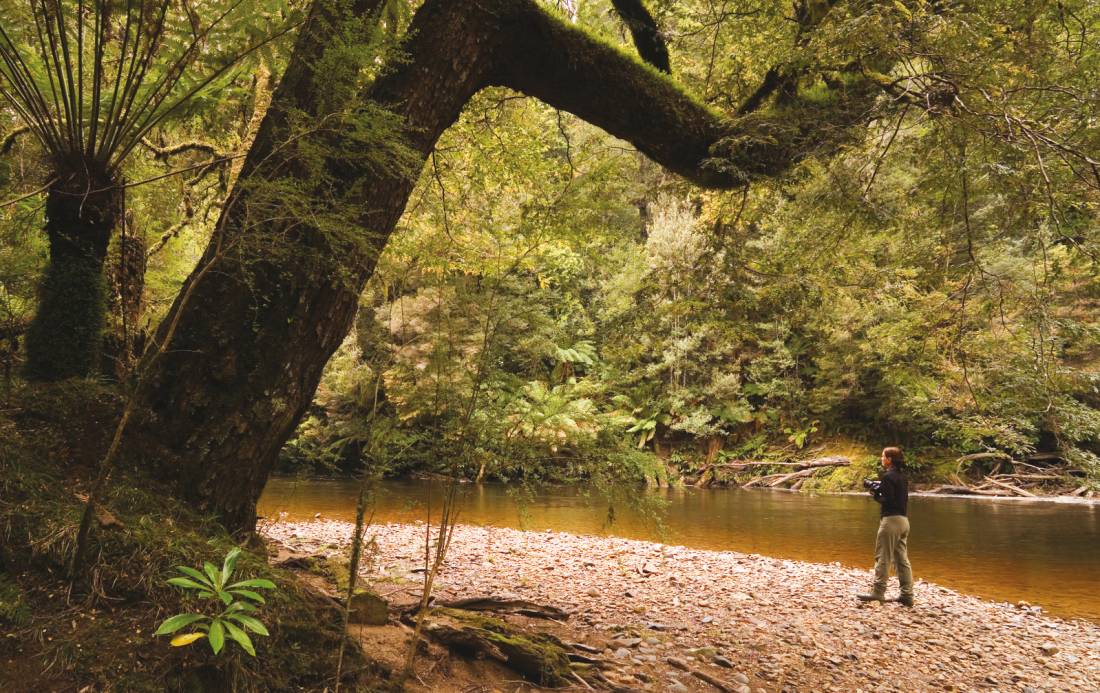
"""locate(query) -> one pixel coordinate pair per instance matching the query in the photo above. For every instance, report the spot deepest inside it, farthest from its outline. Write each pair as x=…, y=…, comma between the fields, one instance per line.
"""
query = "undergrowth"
x=99, y=632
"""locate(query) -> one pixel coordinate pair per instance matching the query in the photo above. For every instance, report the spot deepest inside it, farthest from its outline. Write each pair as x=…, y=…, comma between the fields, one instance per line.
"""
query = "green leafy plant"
x=239, y=600
x=798, y=435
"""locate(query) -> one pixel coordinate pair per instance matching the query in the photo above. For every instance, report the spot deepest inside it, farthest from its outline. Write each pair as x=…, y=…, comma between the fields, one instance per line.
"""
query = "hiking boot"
x=906, y=601
x=871, y=597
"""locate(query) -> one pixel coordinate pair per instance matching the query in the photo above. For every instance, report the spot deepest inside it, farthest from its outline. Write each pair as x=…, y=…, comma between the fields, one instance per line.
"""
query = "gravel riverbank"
x=753, y=622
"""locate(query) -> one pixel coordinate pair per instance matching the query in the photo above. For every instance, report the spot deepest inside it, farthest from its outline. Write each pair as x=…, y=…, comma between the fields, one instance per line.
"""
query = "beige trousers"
x=890, y=549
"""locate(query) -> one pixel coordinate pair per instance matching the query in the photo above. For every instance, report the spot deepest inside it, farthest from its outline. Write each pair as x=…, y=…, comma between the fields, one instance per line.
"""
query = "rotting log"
x=508, y=606
x=538, y=657
x=961, y=490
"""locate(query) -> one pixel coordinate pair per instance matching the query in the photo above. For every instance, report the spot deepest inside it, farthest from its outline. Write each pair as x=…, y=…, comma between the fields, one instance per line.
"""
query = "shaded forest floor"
x=95, y=633
x=658, y=613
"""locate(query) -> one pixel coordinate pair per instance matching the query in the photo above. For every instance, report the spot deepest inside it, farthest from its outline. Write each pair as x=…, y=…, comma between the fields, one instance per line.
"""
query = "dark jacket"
x=893, y=493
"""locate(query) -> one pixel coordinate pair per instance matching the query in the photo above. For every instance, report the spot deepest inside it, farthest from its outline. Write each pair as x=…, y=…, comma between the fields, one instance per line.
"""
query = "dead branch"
x=1015, y=489
x=508, y=606
x=701, y=675
x=799, y=470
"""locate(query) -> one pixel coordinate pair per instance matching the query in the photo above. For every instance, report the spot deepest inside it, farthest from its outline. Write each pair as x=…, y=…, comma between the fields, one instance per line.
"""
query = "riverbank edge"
x=1064, y=499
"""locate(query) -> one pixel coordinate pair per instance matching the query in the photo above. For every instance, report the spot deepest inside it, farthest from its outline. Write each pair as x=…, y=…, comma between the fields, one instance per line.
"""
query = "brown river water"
x=1044, y=553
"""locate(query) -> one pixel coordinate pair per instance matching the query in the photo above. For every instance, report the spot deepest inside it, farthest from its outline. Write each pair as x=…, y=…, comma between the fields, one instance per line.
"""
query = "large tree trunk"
x=251, y=342
x=66, y=336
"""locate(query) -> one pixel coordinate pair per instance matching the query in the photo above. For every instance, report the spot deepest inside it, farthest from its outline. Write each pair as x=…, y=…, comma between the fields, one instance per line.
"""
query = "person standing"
x=892, y=493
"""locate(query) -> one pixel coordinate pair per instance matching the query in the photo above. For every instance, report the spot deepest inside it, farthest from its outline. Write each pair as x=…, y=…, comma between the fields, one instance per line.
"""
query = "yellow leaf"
x=181, y=640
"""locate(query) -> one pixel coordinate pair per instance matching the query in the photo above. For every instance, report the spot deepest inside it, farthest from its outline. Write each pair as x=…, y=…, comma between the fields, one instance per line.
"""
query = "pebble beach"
x=669, y=617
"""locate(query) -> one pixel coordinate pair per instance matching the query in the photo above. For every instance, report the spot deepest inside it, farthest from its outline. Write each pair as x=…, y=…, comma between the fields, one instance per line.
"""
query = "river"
x=1044, y=553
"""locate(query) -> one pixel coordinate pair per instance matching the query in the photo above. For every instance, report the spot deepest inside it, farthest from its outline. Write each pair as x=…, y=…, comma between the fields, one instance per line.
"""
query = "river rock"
x=369, y=609
x=953, y=642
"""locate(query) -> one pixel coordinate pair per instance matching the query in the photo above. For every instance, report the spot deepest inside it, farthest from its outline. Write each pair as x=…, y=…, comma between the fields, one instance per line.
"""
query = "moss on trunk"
x=66, y=337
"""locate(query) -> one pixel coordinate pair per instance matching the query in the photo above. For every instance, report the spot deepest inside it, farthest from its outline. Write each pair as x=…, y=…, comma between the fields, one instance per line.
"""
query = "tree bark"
x=126, y=283
x=251, y=343
x=66, y=336
x=645, y=32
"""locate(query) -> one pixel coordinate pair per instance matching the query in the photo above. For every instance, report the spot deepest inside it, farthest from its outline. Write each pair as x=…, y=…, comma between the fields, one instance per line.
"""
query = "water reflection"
x=1044, y=553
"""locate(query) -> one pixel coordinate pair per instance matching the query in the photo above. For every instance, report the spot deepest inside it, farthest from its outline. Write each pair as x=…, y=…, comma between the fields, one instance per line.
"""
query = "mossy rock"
x=539, y=657
x=369, y=609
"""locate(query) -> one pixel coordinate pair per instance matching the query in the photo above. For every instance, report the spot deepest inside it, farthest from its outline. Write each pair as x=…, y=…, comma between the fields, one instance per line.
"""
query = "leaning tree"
x=333, y=165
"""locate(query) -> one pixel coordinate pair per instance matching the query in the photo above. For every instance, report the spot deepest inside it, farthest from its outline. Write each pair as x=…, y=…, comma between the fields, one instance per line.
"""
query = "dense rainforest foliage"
x=568, y=304
x=553, y=304
x=506, y=239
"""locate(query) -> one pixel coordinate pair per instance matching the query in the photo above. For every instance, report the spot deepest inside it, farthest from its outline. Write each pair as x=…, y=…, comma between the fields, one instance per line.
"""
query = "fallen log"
x=978, y=456
x=508, y=606
x=984, y=456
x=964, y=490
x=806, y=470
x=701, y=675
x=708, y=475
x=539, y=657
x=784, y=478
x=1010, y=487
x=802, y=464
x=1040, y=456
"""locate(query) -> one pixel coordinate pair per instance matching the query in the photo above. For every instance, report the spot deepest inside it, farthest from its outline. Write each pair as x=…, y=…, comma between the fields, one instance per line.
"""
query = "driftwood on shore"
x=794, y=473
x=1009, y=477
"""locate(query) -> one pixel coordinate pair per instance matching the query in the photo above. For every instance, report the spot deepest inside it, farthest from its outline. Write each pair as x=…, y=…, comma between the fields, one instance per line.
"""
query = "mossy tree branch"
x=645, y=32
x=568, y=69
x=783, y=79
